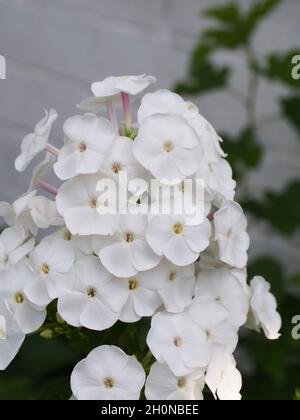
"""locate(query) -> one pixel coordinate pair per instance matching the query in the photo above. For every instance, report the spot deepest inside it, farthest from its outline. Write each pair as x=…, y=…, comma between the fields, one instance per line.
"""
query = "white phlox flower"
x=44, y=212
x=189, y=197
x=14, y=245
x=264, y=314
x=218, y=180
x=13, y=285
x=138, y=242
x=176, y=340
x=114, y=85
x=93, y=298
x=162, y=384
x=11, y=336
x=82, y=245
x=80, y=204
x=180, y=243
x=108, y=91
x=51, y=262
x=35, y=143
x=175, y=285
x=168, y=147
x=222, y=377
x=128, y=246
x=142, y=297
x=231, y=233
x=221, y=286
x=87, y=141
x=120, y=158
x=216, y=323
x=18, y=213
x=108, y=374
x=166, y=102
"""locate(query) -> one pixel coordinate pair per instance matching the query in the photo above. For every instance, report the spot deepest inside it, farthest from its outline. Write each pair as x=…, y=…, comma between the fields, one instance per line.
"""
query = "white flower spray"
x=189, y=275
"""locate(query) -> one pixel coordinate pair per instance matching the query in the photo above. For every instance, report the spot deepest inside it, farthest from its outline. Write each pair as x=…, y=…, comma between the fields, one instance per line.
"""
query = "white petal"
x=179, y=253
x=97, y=316
x=120, y=252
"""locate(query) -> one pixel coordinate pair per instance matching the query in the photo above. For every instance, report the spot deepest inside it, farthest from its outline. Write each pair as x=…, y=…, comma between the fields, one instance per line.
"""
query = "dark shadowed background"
x=234, y=62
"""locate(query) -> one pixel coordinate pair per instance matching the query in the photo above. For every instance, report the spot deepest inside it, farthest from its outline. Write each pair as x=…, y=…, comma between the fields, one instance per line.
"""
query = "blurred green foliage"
x=275, y=373
x=43, y=367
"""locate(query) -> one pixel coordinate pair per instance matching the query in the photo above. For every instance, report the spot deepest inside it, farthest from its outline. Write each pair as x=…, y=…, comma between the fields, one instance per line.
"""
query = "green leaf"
x=16, y=388
x=280, y=67
x=235, y=27
x=258, y=11
x=295, y=280
x=297, y=397
x=232, y=37
x=272, y=271
x=227, y=13
x=204, y=76
x=282, y=209
x=291, y=110
x=57, y=390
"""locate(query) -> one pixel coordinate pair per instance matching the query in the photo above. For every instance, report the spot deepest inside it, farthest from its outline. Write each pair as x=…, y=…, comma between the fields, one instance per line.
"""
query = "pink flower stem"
x=52, y=149
x=127, y=110
x=112, y=115
x=47, y=187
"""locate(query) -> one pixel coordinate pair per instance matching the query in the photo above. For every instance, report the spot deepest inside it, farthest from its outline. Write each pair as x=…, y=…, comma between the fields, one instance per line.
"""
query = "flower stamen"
x=67, y=236
x=168, y=147
x=108, y=383
x=181, y=383
x=45, y=269
x=177, y=342
x=94, y=203
x=172, y=276
x=82, y=147
x=91, y=292
x=116, y=168
x=133, y=284
x=128, y=237
x=178, y=229
x=19, y=298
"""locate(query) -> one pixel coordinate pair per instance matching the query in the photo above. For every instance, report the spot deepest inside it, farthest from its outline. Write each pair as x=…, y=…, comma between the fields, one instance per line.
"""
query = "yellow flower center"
x=177, y=342
x=178, y=229
x=108, y=383
x=94, y=203
x=116, y=168
x=128, y=237
x=133, y=284
x=172, y=276
x=91, y=292
x=168, y=147
x=67, y=236
x=181, y=383
x=45, y=269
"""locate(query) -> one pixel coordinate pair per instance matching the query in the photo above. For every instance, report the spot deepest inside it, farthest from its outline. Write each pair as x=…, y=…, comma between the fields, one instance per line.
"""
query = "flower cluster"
x=101, y=267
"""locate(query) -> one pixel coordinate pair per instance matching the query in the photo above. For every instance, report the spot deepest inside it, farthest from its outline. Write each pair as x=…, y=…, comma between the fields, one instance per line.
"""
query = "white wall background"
x=55, y=48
